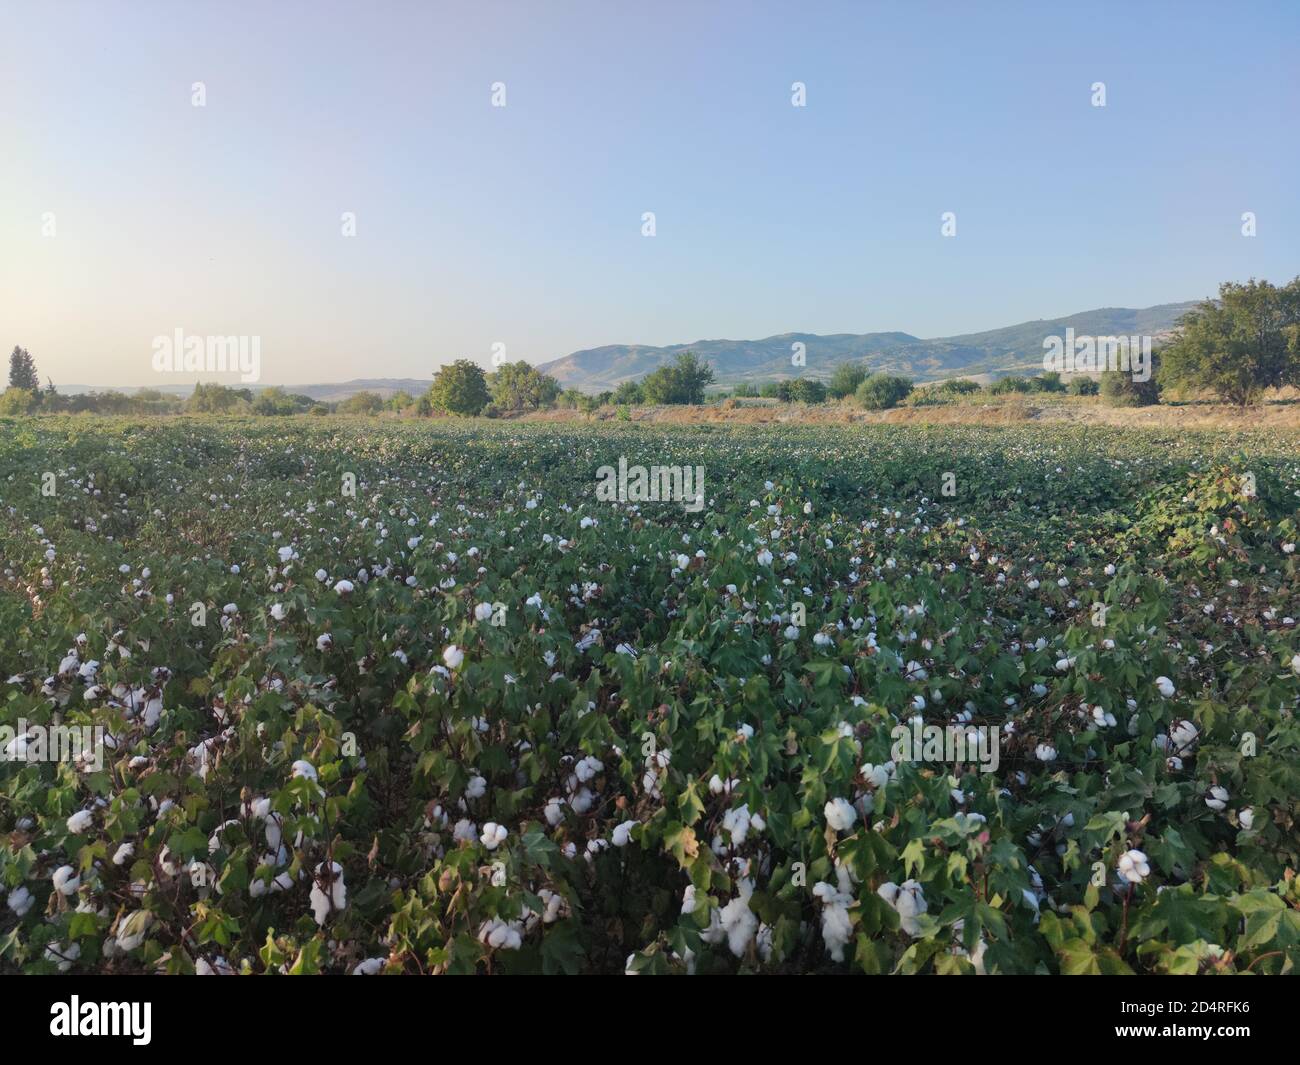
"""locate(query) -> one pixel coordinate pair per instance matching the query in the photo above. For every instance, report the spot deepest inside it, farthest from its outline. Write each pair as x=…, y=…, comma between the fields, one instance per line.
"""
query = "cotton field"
x=391, y=697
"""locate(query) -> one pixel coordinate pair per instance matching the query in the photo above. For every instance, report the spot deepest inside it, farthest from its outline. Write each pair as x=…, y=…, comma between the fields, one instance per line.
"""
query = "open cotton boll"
x=908, y=901
x=497, y=934
x=739, y=922
x=369, y=967
x=1133, y=866
x=482, y=612
x=65, y=880
x=1217, y=798
x=20, y=900
x=80, y=821
x=1165, y=686
x=328, y=892
x=622, y=833
x=303, y=768
x=344, y=587
x=133, y=930
x=124, y=854
x=493, y=835
x=837, y=926
x=63, y=955
x=453, y=656
x=840, y=814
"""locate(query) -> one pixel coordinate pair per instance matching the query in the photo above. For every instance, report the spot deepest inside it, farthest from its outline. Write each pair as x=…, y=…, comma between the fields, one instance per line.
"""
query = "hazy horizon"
x=522, y=225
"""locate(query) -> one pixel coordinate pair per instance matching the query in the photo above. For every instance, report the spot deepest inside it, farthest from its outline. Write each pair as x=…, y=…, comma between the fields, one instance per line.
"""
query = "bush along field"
x=327, y=696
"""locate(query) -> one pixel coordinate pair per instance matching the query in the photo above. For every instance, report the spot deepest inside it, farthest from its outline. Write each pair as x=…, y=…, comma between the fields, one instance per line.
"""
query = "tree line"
x=1234, y=347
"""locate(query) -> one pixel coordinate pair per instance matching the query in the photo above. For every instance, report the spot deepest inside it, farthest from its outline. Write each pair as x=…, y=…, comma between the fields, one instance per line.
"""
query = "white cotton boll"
x=464, y=831
x=840, y=814
x=554, y=811
x=482, y=612
x=65, y=881
x=124, y=854
x=688, y=899
x=493, y=835
x=1133, y=866
x=581, y=801
x=328, y=892
x=324, y=641
x=278, y=611
x=80, y=821
x=908, y=901
x=1165, y=686
x=587, y=769
x=623, y=833
x=369, y=967
x=453, y=656
x=1247, y=818
x=1217, y=799
x=736, y=823
x=1182, y=733
x=302, y=768
x=499, y=935
x=63, y=956
x=133, y=930
x=344, y=587
x=1295, y=665
x=20, y=900
x=1045, y=752
x=476, y=788
x=739, y=922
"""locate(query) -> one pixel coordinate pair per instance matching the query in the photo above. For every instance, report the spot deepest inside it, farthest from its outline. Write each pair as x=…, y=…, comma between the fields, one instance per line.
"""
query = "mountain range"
x=978, y=355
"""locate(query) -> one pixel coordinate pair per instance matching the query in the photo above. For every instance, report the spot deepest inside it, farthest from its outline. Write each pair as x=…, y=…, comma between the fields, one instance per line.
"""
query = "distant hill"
x=327, y=393
x=994, y=352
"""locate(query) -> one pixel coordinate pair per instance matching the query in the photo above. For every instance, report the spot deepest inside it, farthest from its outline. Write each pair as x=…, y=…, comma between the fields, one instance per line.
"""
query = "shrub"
x=881, y=391
x=846, y=378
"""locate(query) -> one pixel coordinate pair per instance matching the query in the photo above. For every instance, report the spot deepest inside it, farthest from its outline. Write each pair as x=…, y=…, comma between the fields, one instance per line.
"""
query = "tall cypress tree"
x=22, y=370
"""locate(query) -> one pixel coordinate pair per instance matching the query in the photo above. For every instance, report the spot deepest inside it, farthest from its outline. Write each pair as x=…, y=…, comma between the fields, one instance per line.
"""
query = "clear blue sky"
x=523, y=224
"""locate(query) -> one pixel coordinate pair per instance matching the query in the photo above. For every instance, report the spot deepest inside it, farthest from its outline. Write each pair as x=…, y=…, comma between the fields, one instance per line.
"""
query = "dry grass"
x=1281, y=411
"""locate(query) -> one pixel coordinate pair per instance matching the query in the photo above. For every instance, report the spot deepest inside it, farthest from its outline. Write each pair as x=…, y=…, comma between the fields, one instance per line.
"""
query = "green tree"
x=1047, y=382
x=961, y=386
x=807, y=390
x=460, y=388
x=1119, y=389
x=684, y=381
x=1084, y=386
x=629, y=392
x=846, y=378
x=22, y=371
x=1238, y=345
x=881, y=391
x=519, y=386
x=217, y=399
x=362, y=403
x=1011, y=383
x=17, y=401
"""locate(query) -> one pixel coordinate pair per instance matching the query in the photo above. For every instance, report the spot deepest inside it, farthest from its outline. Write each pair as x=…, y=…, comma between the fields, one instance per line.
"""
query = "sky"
x=127, y=212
